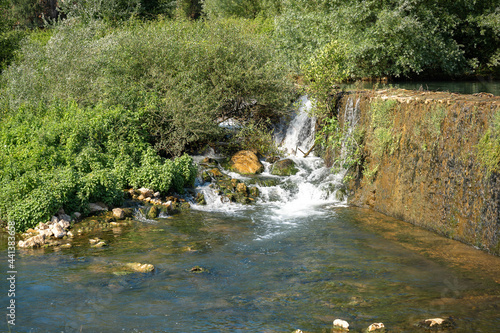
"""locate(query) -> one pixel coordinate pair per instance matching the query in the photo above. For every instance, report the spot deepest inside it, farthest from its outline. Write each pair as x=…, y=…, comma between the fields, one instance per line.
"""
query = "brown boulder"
x=246, y=162
x=119, y=213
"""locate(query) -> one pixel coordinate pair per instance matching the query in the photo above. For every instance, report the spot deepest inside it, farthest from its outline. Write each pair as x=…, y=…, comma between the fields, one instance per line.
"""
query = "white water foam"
x=296, y=196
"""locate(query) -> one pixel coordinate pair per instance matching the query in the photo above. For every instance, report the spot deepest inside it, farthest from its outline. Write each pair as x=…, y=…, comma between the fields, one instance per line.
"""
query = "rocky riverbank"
x=144, y=203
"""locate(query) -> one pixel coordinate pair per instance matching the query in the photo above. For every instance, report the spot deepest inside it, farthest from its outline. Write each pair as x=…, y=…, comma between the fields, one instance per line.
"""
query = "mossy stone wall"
x=425, y=168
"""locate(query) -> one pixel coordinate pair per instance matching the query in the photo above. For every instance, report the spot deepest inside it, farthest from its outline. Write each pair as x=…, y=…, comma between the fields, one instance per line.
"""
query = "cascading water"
x=293, y=196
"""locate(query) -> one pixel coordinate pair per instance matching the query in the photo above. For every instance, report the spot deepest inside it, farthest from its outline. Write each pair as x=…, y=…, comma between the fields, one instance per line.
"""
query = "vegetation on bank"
x=97, y=96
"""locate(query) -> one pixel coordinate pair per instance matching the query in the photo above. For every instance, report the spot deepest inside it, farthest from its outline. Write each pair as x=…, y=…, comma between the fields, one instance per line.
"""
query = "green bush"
x=394, y=38
x=65, y=156
x=180, y=78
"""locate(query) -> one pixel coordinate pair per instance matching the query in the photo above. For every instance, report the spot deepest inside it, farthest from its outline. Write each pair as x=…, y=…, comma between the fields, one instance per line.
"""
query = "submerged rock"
x=284, y=167
x=376, y=327
x=246, y=162
x=198, y=269
x=140, y=268
x=254, y=191
x=200, y=199
x=437, y=324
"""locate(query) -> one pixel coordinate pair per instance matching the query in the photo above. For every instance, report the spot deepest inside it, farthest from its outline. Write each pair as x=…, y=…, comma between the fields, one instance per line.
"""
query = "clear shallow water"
x=263, y=276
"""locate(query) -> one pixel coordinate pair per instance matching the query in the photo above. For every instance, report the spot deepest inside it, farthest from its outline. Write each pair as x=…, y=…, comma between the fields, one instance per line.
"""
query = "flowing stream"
x=298, y=258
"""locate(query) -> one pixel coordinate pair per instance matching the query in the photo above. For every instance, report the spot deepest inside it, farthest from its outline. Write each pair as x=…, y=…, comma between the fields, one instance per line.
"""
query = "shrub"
x=64, y=156
x=178, y=77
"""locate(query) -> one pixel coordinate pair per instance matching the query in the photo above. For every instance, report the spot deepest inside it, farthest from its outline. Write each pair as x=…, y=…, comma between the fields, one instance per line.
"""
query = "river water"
x=297, y=259
x=458, y=87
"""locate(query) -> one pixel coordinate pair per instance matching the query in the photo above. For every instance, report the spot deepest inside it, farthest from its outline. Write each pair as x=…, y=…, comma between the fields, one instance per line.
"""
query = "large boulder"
x=246, y=162
x=118, y=213
x=284, y=167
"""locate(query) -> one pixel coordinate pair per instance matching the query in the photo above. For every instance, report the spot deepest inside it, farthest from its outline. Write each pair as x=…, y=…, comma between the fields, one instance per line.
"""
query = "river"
x=297, y=259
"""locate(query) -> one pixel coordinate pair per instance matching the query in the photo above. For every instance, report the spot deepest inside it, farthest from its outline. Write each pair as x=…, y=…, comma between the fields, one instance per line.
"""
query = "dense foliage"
x=65, y=156
x=396, y=38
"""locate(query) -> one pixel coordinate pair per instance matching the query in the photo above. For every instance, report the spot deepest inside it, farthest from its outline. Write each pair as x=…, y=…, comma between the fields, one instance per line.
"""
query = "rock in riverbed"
x=246, y=162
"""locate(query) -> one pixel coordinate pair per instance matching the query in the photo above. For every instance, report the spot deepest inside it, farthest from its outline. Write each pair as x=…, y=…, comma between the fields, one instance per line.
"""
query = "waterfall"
x=314, y=184
x=299, y=135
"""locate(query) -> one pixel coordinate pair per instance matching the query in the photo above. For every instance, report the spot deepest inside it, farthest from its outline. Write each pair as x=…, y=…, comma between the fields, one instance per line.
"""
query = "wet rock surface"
x=284, y=167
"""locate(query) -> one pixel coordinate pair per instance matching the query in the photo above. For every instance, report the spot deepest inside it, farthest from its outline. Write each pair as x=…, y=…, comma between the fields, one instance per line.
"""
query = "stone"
x=272, y=159
x=77, y=215
x=216, y=173
x=94, y=241
x=241, y=188
x=341, y=324
x=66, y=246
x=42, y=226
x=209, y=161
x=147, y=193
x=153, y=212
x=140, y=268
x=32, y=242
x=65, y=217
x=437, y=323
x=58, y=231
x=206, y=177
x=200, y=199
x=376, y=327
x=64, y=224
x=46, y=233
x=101, y=244
x=246, y=162
x=118, y=213
x=156, y=195
x=198, y=270
x=254, y=191
x=95, y=208
x=185, y=205
x=54, y=219
x=284, y=167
